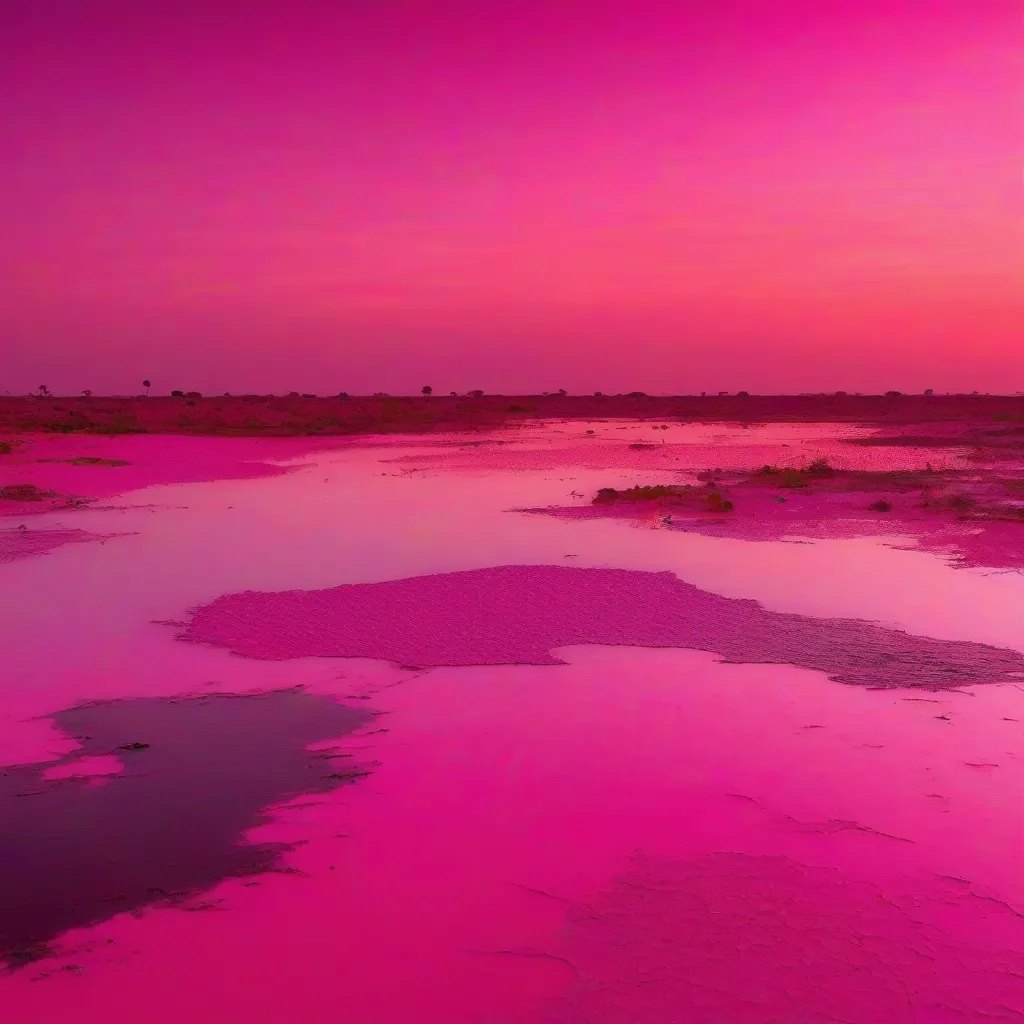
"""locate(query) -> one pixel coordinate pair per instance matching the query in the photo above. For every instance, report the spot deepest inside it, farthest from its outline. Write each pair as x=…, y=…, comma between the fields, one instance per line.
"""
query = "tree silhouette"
x=146, y=384
x=43, y=390
x=426, y=390
x=87, y=392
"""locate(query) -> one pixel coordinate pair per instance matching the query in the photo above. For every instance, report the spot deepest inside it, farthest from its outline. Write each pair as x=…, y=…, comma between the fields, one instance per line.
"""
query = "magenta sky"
x=778, y=195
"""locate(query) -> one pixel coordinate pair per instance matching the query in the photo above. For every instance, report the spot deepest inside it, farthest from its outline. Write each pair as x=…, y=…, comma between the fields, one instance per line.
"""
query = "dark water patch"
x=198, y=773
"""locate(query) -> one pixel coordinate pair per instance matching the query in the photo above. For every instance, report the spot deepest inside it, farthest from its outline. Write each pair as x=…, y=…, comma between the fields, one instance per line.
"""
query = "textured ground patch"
x=518, y=614
x=750, y=939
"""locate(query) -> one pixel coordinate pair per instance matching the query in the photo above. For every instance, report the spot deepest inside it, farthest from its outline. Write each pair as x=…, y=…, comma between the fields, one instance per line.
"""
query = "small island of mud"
x=519, y=614
x=975, y=517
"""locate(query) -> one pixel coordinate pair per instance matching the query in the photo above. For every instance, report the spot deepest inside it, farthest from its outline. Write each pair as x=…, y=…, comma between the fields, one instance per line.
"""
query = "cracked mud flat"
x=560, y=825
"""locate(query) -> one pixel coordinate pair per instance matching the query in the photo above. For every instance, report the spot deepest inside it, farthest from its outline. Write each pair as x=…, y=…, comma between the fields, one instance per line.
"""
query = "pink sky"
x=361, y=196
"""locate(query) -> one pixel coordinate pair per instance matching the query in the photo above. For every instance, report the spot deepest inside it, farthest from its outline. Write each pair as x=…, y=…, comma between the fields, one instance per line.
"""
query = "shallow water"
x=797, y=834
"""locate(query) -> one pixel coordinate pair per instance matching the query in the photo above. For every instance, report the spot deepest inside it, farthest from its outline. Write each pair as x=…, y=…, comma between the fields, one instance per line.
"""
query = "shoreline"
x=291, y=416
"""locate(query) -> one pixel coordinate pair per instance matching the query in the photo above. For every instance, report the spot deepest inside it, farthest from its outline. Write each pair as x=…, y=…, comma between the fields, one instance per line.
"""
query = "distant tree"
x=722, y=394
x=840, y=394
x=293, y=394
x=454, y=394
x=343, y=394
x=637, y=394
x=43, y=390
x=742, y=394
x=598, y=394
x=929, y=391
x=477, y=394
x=426, y=390
x=703, y=394
x=562, y=391
x=147, y=385
x=87, y=393
x=177, y=394
x=896, y=394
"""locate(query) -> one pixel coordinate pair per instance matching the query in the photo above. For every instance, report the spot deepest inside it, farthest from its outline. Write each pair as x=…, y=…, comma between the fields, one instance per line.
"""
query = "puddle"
x=196, y=773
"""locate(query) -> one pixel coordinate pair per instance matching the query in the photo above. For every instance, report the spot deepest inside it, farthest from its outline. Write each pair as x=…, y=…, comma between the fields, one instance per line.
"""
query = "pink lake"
x=624, y=834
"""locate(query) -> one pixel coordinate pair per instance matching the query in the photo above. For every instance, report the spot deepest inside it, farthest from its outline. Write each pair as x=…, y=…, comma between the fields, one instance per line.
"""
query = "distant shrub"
x=177, y=394
x=791, y=478
x=820, y=468
x=881, y=505
x=6, y=448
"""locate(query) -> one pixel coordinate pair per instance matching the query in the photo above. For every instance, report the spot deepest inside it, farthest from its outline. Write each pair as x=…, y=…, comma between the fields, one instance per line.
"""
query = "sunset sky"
x=372, y=195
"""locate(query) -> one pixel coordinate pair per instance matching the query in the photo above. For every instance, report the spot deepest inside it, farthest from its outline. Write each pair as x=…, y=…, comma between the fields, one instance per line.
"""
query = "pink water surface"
x=613, y=834
x=151, y=459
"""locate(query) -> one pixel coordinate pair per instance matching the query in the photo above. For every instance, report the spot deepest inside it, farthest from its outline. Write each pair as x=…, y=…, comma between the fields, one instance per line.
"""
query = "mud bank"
x=974, y=518
x=519, y=614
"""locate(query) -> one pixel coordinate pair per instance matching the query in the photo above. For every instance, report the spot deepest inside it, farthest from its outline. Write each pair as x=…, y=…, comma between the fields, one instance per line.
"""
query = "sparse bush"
x=6, y=448
x=177, y=394
x=881, y=505
x=24, y=492
x=820, y=468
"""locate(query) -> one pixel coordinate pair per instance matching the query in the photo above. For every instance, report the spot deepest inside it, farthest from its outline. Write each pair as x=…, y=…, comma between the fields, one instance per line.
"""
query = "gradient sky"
x=777, y=195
